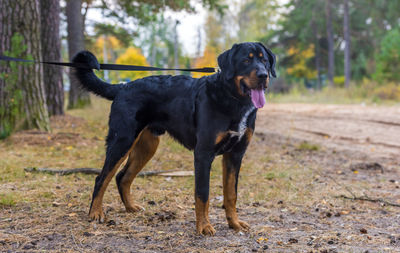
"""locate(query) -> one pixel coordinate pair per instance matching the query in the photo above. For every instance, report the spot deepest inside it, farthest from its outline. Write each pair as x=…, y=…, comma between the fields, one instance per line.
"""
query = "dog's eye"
x=246, y=61
x=264, y=60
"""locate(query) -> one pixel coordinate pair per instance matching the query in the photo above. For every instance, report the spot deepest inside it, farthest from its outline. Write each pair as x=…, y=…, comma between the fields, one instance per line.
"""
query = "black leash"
x=107, y=66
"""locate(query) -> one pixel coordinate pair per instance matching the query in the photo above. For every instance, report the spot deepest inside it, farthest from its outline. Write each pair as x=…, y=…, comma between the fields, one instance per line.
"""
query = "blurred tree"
x=257, y=19
x=388, y=59
x=347, y=39
x=370, y=21
x=51, y=51
x=158, y=40
x=329, y=35
x=302, y=26
x=132, y=56
x=122, y=35
x=107, y=49
x=300, y=61
x=22, y=92
x=78, y=97
x=145, y=11
x=219, y=31
x=208, y=59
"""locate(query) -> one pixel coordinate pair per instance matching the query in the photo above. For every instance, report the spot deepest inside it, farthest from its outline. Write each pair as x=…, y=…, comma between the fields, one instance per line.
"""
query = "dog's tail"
x=89, y=80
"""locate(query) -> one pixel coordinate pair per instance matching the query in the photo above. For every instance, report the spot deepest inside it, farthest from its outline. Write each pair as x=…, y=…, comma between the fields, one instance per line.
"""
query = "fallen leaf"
x=262, y=239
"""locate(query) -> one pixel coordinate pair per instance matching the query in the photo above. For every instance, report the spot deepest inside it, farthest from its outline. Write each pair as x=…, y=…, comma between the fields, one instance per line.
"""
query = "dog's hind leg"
x=119, y=145
x=141, y=153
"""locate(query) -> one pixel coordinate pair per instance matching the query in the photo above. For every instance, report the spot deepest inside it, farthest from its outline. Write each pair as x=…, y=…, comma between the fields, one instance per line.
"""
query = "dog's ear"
x=271, y=59
x=225, y=63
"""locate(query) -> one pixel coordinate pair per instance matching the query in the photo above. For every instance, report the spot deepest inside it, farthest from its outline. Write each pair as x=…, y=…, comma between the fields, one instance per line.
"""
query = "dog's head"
x=249, y=67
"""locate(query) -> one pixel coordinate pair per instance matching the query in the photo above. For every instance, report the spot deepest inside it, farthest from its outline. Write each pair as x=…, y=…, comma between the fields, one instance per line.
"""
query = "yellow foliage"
x=339, y=81
x=111, y=41
x=112, y=45
x=209, y=59
x=300, y=57
x=132, y=56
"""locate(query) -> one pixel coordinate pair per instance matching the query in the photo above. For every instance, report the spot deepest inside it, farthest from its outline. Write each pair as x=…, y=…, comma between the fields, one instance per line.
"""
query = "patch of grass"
x=306, y=146
x=7, y=200
x=270, y=175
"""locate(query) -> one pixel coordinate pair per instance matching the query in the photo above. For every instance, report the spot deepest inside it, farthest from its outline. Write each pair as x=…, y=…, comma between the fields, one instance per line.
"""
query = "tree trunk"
x=329, y=33
x=317, y=53
x=346, y=33
x=22, y=93
x=51, y=51
x=78, y=97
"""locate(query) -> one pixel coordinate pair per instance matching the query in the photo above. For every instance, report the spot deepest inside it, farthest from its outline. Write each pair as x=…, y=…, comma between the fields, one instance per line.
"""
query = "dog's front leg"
x=231, y=163
x=202, y=165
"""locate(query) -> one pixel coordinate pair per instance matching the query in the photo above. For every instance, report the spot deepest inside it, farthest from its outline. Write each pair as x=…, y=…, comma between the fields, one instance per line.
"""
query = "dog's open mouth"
x=257, y=95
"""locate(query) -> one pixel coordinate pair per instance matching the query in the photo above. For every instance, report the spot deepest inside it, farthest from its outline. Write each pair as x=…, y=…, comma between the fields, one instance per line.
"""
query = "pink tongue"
x=258, y=98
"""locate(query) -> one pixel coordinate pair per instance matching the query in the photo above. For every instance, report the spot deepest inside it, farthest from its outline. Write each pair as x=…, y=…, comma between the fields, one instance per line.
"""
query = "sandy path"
x=373, y=130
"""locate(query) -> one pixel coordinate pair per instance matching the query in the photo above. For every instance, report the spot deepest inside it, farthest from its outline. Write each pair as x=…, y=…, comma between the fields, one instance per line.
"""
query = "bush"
x=339, y=81
x=388, y=59
x=389, y=91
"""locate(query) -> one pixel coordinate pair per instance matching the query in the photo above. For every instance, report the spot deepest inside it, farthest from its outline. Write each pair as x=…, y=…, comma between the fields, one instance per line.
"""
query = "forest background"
x=331, y=51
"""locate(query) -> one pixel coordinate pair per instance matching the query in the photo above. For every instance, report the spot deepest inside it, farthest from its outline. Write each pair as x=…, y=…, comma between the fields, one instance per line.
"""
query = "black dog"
x=211, y=115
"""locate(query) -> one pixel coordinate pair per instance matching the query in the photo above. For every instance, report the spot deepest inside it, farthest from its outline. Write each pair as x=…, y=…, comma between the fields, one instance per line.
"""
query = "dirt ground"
x=300, y=187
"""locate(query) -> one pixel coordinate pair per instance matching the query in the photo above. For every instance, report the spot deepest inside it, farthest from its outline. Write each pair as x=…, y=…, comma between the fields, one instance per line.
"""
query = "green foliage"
x=111, y=30
x=306, y=146
x=256, y=19
x=157, y=38
x=388, y=59
x=7, y=200
x=371, y=21
x=144, y=11
x=11, y=111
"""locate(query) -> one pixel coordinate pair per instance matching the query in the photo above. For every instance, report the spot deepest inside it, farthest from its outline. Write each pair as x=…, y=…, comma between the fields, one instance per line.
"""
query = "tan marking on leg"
x=96, y=211
x=220, y=137
x=230, y=195
x=203, y=226
x=248, y=134
x=139, y=156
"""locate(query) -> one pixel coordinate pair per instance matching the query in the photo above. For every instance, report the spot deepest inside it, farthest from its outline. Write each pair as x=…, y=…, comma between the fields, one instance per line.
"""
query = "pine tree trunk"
x=51, y=51
x=346, y=32
x=78, y=97
x=22, y=94
x=329, y=33
x=317, y=53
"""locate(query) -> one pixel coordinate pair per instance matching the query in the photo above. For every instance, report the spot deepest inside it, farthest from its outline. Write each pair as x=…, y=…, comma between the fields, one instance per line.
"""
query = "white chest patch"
x=243, y=122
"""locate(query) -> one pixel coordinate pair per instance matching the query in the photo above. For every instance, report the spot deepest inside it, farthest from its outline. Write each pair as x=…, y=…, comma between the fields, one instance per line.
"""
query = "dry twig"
x=364, y=198
x=88, y=171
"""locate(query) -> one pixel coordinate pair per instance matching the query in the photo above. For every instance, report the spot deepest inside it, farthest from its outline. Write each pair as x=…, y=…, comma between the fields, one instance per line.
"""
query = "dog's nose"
x=262, y=75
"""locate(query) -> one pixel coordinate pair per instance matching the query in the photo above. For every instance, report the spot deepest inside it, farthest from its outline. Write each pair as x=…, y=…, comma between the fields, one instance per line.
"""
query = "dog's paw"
x=205, y=229
x=133, y=208
x=239, y=225
x=97, y=215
